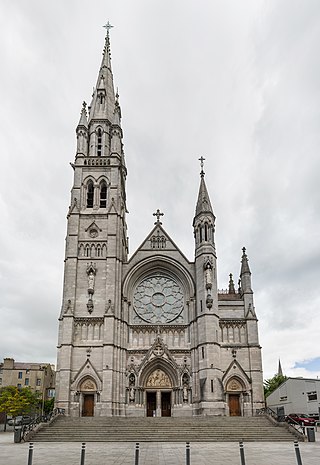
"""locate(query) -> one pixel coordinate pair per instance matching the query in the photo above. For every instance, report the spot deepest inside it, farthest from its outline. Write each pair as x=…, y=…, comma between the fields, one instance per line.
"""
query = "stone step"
x=212, y=429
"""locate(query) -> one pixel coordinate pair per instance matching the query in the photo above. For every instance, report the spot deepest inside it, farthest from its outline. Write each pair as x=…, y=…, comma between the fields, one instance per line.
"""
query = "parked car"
x=301, y=418
x=20, y=420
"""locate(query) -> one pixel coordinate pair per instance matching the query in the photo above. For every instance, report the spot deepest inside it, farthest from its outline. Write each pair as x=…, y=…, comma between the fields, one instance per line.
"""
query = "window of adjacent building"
x=38, y=381
x=312, y=395
x=20, y=375
x=103, y=195
x=90, y=193
x=0, y=381
x=26, y=382
x=50, y=393
x=1, y=371
x=202, y=351
x=19, y=386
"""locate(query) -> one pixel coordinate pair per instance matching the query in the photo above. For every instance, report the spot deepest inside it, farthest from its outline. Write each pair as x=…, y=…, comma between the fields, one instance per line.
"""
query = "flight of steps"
x=195, y=429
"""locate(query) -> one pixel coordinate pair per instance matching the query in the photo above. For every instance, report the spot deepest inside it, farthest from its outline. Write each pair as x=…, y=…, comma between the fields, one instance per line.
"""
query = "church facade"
x=149, y=335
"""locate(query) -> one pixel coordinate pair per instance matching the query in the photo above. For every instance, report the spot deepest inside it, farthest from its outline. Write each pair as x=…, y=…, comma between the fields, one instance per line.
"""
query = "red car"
x=301, y=418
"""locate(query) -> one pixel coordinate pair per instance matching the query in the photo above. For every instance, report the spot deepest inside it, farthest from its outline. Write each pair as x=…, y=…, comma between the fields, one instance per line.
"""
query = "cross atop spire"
x=158, y=214
x=108, y=26
x=201, y=159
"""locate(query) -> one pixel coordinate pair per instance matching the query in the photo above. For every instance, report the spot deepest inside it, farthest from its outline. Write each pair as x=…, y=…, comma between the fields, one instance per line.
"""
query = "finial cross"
x=108, y=26
x=201, y=159
x=158, y=214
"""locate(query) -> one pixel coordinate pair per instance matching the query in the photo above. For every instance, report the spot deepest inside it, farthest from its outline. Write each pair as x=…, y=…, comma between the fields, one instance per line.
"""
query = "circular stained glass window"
x=158, y=299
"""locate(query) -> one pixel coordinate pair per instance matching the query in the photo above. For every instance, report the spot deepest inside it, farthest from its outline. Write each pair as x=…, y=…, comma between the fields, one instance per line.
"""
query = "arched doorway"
x=158, y=394
x=88, y=389
x=234, y=393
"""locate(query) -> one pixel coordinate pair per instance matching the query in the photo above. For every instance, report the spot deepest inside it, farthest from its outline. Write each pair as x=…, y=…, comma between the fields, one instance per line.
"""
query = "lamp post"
x=43, y=368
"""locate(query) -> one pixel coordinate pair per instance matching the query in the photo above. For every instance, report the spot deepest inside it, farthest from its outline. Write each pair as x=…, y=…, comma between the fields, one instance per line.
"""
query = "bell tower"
x=96, y=247
x=205, y=344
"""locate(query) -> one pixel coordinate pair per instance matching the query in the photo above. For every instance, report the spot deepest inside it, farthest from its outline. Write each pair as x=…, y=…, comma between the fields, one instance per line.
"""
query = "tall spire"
x=280, y=372
x=203, y=203
x=103, y=98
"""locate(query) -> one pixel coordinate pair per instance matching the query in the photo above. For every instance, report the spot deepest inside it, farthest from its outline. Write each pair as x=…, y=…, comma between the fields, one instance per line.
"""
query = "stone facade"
x=39, y=377
x=150, y=335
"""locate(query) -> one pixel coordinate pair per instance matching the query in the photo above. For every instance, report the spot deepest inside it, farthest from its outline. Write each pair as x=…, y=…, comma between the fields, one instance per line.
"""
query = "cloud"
x=236, y=82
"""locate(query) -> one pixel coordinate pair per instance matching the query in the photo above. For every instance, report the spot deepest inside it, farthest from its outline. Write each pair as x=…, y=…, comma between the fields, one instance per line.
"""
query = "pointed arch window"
x=90, y=194
x=99, y=142
x=103, y=195
x=205, y=231
x=101, y=98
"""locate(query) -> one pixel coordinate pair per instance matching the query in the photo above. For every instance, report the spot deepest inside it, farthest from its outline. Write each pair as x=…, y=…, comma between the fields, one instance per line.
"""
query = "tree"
x=48, y=405
x=270, y=385
x=14, y=401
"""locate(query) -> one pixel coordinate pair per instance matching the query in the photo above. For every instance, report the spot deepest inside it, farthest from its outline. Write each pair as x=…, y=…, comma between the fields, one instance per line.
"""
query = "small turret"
x=82, y=133
x=231, y=285
x=245, y=274
x=116, y=131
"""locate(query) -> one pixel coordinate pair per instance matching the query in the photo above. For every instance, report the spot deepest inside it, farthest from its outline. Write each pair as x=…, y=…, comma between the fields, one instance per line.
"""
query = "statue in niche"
x=132, y=394
x=208, y=276
x=109, y=307
x=185, y=388
x=69, y=308
x=185, y=393
x=91, y=281
x=91, y=272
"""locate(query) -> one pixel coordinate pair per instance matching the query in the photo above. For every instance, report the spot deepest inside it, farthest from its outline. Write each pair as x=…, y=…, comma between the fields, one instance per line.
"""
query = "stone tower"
x=149, y=335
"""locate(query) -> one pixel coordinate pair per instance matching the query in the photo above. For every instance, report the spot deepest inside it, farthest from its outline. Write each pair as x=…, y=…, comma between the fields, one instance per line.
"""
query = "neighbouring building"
x=149, y=335
x=296, y=395
x=40, y=377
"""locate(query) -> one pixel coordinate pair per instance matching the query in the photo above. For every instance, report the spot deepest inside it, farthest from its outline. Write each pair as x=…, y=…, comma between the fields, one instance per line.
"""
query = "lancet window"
x=99, y=142
x=90, y=194
x=103, y=194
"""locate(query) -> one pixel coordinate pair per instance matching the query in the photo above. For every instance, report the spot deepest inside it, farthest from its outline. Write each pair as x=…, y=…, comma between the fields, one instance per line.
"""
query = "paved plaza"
x=68, y=453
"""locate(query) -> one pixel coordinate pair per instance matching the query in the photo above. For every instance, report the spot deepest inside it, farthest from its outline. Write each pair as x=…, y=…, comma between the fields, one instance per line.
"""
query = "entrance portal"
x=88, y=405
x=151, y=404
x=166, y=404
x=234, y=405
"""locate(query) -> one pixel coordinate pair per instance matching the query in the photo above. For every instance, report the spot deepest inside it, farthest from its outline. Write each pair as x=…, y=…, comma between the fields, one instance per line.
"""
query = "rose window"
x=158, y=299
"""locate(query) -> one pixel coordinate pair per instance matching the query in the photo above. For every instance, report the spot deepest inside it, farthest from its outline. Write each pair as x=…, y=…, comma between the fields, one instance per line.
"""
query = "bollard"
x=242, y=457
x=30, y=455
x=298, y=455
x=136, y=456
x=83, y=453
x=187, y=453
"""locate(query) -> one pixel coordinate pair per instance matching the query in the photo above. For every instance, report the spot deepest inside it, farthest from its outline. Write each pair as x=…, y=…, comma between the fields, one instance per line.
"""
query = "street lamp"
x=42, y=368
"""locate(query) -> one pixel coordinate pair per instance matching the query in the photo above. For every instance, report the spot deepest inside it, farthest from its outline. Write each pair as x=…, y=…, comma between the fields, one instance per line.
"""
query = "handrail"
x=281, y=419
x=26, y=429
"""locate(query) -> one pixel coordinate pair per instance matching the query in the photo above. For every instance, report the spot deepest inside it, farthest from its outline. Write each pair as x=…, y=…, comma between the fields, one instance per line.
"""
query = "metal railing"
x=47, y=418
x=282, y=419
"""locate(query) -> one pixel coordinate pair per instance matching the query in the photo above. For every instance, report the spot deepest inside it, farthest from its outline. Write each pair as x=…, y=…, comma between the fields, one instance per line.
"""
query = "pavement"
x=157, y=453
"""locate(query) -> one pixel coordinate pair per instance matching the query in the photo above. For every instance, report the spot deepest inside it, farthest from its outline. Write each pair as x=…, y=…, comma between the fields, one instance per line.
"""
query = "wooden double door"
x=163, y=398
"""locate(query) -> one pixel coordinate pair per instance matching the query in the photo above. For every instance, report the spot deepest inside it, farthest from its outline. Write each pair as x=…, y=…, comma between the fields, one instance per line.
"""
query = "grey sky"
x=236, y=82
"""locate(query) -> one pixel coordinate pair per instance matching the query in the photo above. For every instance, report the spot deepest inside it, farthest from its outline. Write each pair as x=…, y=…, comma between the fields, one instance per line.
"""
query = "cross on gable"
x=158, y=214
